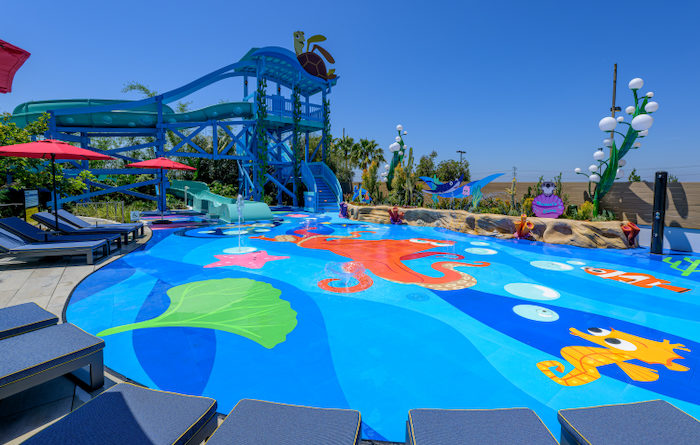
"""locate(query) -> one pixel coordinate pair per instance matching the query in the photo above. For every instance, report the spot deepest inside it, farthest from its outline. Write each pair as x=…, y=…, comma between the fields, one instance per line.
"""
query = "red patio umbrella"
x=51, y=149
x=11, y=58
x=162, y=164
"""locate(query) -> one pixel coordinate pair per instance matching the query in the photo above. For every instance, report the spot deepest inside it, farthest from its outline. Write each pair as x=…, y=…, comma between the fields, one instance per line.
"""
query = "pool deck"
x=49, y=282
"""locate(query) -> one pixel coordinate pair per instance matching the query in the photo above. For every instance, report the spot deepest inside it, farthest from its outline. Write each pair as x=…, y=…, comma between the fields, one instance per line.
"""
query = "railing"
x=327, y=175
x=101, y=209
x=281, y=106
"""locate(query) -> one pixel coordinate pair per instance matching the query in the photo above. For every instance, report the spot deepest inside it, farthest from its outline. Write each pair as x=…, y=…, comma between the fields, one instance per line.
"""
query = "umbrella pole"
x=55, y=196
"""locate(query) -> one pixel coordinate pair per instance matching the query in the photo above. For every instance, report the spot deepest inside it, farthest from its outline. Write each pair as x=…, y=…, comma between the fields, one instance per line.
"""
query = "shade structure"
x=11, y=59
x=162, y=164
x=52, y=149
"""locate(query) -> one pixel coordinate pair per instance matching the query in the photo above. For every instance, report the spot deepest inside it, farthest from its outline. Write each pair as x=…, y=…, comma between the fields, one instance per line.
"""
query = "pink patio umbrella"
x=52, y=149
x=11, y=59
x=162, y=164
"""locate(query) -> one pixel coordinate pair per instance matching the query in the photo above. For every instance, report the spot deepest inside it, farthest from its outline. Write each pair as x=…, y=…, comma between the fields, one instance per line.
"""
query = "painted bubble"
x=551, y=265
x=576, y=263
x=480, y=251
x=262, y=230
x=235, y=232
x=242, y=249
x=536, y=313
x=531, y=291
x=479, y=243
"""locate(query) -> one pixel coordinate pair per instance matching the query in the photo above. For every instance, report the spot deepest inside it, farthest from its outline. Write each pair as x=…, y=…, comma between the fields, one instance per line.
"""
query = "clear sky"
x=513, y=83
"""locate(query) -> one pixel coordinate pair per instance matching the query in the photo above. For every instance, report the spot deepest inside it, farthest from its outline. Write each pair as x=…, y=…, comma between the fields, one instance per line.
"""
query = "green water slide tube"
x=203, y=200
x=141, y=117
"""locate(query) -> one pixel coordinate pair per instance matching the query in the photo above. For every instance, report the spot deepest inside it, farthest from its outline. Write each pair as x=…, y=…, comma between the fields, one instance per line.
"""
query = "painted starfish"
x=252, y=260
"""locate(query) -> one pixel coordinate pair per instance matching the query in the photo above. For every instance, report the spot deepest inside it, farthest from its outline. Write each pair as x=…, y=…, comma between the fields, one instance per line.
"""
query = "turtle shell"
x=313, y=64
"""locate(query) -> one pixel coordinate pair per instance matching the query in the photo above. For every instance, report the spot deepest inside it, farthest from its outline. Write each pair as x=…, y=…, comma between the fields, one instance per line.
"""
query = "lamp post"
x=461, y=152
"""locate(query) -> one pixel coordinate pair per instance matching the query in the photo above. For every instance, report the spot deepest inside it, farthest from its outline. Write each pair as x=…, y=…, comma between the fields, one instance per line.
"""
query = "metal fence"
x=112, y=210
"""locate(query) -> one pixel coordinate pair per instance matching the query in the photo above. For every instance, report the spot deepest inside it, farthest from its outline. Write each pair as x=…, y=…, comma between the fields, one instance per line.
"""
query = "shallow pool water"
x=317, y=310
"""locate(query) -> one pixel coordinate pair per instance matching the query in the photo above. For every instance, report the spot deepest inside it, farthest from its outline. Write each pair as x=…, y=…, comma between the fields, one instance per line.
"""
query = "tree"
x=366, y=152
x=672, y=178
x=426, y=165
x=450, y=169
x=634, y=177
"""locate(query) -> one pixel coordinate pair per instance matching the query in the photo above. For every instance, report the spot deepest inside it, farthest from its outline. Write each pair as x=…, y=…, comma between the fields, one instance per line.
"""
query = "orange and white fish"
x=634, y=278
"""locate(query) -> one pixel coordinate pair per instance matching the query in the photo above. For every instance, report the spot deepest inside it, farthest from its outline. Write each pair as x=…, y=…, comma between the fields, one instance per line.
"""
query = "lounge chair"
x=38, y=356
x=130, y=414
x=13, y=245
x=268, y=423
x=476, y=426
x=82, y=224
x=651, y=422
x=32, y=233
x=48, y=220
x=22, y=318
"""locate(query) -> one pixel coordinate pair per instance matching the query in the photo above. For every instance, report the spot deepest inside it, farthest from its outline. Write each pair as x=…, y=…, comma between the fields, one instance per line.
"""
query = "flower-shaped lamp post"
x=602, y=174
x=398, y=147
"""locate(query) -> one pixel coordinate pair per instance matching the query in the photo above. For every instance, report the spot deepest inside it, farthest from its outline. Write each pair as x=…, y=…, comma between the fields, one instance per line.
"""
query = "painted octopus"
x=385, y=258
x=619, y=348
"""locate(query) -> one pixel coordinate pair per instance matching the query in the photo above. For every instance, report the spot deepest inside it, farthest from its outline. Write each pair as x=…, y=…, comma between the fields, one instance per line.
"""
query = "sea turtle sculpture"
x=310, y=61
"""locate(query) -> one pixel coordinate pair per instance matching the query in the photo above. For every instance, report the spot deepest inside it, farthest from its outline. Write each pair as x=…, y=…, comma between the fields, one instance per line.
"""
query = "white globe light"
x=636, y=83
x=643, y=133
x=651, y=107
x=629, y=110
x=386, y=166
x=594, y=178
x=598, y=155
x=620, y=172
x=650, y=94
x=621, y=162
x=592, y=168
x=399, y=127
x=577, y=170
x=637, y=144
x=394, y=147
x=642, y=122
x=607, y=142
x=405, y=133
x=620, y=118
x=607, y=124
x=401, y=153
x=397, y=138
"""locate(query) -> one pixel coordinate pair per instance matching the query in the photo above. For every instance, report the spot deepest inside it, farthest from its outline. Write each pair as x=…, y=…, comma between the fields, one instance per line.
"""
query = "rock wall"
x=606, y=234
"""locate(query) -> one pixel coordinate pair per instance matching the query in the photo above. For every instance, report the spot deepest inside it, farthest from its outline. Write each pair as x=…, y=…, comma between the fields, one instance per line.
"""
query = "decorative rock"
x=603, y=234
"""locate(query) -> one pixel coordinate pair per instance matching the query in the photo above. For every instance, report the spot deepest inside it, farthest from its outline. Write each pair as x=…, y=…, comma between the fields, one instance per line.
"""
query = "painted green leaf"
x=241, y=306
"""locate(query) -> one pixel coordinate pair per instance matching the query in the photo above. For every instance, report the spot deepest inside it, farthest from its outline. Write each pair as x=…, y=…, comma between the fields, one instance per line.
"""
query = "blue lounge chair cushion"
x=133, y=415
x=651, y=422
x=13, y=243
x=477, y=426
x=81, y=223
x=32, y=233
x=23, y=318
x=37, y=351
x=48, y=220
x=255, y=422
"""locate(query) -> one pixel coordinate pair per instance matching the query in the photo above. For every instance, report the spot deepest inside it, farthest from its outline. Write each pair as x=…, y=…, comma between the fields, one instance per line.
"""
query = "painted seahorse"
x=385, y=258
x=619, y=348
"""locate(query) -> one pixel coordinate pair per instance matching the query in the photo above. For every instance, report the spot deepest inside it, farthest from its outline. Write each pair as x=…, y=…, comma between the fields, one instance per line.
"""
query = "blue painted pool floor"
x=321, y=311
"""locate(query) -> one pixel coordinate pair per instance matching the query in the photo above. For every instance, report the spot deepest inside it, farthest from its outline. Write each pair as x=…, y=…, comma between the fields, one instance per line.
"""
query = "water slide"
x=203, y=200
x=141, y=117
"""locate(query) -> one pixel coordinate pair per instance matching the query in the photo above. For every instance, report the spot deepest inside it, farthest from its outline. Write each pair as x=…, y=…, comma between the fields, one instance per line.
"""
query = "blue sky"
x=512, y=83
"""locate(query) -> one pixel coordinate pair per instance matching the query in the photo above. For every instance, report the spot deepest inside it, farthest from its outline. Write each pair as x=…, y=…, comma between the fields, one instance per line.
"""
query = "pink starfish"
x=252, y=260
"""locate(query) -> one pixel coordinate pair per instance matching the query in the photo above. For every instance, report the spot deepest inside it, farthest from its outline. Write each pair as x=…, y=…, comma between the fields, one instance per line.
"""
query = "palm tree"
x=366, y=151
